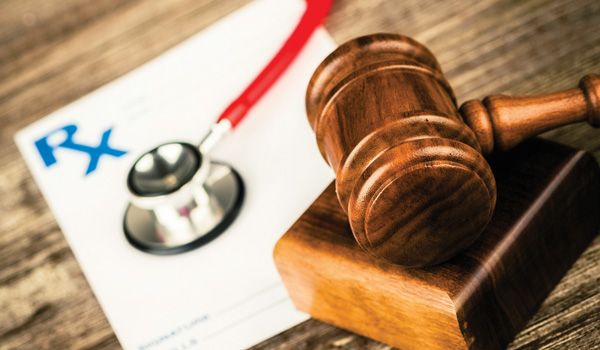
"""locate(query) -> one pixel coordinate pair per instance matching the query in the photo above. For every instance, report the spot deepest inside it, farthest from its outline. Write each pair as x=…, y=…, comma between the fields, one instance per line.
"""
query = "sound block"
x=548, y=211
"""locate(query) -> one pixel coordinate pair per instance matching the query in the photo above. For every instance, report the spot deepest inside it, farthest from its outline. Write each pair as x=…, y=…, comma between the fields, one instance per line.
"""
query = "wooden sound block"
x=548, y=211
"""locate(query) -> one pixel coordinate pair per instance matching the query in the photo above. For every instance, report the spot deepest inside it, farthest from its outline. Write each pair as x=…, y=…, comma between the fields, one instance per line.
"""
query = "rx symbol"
x=47, y=148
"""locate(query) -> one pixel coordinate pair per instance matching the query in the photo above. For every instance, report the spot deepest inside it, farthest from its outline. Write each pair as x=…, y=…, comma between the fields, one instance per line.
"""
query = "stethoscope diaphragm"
x=180, y=199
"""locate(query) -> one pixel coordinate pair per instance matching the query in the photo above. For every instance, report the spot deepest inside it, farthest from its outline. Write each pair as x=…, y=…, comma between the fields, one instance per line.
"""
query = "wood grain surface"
x=53, y=52
x=479, y=299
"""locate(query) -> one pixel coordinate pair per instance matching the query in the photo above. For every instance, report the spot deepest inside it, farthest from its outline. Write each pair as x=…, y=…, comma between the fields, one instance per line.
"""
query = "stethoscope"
x=180, y=199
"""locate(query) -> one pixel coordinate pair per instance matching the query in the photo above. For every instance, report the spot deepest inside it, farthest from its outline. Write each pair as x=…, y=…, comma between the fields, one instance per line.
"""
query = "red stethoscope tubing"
x=313, y=16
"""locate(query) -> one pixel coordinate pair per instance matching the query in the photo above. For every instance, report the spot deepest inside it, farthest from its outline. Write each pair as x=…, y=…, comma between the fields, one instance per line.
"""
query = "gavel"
x=409, y=165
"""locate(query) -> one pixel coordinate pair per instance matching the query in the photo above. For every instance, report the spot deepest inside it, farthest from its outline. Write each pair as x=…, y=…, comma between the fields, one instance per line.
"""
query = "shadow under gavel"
x=409, y=168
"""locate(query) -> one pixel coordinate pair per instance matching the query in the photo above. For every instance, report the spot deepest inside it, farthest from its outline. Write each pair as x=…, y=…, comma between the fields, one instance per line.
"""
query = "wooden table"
x=53, y=52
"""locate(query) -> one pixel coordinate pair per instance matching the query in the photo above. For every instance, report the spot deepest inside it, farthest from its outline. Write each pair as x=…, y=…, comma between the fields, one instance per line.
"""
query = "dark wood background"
x=53, y=52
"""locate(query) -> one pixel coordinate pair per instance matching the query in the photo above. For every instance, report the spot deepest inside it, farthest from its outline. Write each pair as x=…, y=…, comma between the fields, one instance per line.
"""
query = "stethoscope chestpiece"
x=180, y=199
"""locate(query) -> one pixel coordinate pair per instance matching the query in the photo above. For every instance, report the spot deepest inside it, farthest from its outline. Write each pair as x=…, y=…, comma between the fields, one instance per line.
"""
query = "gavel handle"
x=501, y=122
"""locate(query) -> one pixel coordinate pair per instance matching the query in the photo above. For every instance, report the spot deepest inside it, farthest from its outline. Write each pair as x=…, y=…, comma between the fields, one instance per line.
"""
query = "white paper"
x=226, y=294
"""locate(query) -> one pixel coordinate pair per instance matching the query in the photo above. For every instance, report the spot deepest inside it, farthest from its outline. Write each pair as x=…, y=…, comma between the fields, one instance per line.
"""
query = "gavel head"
x=409, y=172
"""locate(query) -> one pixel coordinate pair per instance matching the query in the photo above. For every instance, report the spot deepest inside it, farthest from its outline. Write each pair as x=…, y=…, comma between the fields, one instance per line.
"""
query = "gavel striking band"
x=409, y=172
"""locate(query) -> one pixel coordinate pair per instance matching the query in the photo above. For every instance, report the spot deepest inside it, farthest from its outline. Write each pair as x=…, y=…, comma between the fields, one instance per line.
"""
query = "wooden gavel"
x=409, y=168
